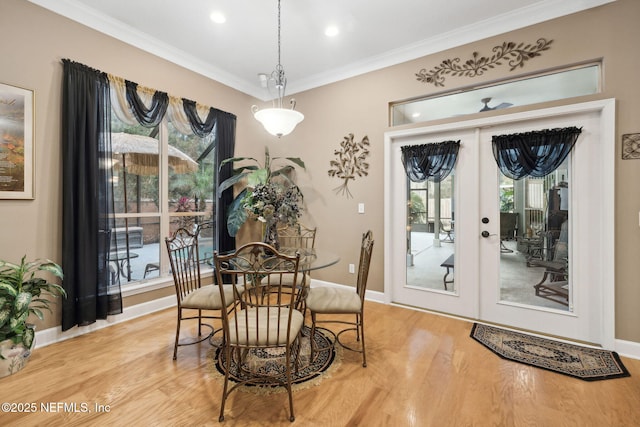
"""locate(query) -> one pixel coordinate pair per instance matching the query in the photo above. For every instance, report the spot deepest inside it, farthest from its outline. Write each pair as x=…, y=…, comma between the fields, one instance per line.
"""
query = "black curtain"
x=534, y=154
x=226, y=137
x=147, y=117
x=87, y=197
x=430, y=161
x=200, y=128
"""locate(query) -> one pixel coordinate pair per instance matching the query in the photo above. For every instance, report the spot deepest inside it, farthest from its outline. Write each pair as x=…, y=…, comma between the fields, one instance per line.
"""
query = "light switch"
x=361, y=208
x=352, y=268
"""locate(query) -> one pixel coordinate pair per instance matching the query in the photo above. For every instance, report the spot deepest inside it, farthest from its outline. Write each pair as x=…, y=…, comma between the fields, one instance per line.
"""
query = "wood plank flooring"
x=423, y=370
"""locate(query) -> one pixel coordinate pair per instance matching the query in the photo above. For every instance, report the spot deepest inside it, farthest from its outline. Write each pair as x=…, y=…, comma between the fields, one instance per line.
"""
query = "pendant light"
x=278, y=120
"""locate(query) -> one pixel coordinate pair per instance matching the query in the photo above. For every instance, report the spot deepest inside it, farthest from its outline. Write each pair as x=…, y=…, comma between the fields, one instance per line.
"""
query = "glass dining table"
x=312, y=258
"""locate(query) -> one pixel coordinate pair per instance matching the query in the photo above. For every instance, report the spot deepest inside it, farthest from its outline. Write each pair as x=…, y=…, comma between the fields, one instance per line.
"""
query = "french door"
x=504, y=236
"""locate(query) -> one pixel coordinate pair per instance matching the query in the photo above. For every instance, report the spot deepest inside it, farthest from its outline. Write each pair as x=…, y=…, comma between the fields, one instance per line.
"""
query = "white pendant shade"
x=279, y=121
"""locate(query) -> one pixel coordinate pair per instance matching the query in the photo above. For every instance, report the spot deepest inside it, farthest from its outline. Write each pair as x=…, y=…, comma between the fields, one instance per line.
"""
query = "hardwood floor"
x=423, y=370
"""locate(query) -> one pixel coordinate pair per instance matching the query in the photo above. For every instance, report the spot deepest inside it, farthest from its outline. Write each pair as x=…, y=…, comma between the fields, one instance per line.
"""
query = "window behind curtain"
x=158, y=201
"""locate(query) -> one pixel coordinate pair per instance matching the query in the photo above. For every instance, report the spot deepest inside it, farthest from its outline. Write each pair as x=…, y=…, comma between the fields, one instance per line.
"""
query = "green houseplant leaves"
x=254, y=174
x=23, y=292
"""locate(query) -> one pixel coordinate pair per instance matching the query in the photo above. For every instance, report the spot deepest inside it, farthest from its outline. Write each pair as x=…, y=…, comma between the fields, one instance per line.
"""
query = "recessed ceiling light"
x=218, y=17
x=331, y=31
x=415, y=115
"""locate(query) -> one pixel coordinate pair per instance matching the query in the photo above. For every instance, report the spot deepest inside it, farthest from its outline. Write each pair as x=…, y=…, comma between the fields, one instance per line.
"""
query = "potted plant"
x=23, y=292
x=269, y=182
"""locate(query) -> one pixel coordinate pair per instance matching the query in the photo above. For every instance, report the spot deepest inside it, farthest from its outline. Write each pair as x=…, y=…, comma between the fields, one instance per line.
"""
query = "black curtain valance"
x=148, y=117
x=200, y=128
x=536, y=153
x=430, y=161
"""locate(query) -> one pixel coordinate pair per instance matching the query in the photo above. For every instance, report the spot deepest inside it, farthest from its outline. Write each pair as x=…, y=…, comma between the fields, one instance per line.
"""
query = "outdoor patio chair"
x=556, y=270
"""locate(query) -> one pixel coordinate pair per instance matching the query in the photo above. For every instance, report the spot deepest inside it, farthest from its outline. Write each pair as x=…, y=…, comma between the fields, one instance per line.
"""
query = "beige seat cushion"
x=269, y=332
x=208, y=298
x=326, y=299
x=302, y=278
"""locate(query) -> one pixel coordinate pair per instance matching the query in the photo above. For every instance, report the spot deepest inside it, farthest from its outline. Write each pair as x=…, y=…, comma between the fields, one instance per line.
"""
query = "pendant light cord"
x=279, y=63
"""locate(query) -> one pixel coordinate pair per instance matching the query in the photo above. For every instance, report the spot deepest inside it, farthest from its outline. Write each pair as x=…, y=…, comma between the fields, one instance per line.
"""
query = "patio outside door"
x=492, y=269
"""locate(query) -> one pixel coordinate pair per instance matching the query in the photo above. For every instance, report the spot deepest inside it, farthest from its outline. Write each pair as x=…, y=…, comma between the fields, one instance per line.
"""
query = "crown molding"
x=536, y=13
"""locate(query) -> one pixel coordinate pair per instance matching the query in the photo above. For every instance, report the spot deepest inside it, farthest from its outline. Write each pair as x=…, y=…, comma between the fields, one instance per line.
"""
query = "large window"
x=163, y=180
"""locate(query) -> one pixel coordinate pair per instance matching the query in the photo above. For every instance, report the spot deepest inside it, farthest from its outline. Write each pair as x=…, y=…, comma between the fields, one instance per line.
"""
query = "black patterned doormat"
x=589, y=364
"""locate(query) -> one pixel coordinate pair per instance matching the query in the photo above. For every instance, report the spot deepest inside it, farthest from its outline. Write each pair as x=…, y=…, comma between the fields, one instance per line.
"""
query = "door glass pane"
x=431, y=234
x=534, y=240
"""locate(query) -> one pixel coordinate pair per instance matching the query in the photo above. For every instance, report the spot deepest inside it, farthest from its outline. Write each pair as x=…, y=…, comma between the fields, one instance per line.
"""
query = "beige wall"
x=359, y=105
x=34, y=44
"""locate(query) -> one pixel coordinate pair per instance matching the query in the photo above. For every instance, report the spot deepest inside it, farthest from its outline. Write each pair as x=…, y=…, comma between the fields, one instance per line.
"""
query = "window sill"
x=151, y=285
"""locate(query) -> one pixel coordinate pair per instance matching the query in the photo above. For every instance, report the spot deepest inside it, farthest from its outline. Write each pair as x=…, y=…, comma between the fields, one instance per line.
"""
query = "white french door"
x=483, y=267
x=459, y=297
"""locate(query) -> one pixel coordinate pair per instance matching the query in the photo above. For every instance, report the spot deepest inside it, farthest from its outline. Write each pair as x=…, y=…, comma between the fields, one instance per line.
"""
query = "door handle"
x=486, y=234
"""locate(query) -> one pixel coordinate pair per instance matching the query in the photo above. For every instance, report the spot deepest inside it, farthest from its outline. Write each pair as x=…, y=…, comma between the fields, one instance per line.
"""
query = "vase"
x=271, y=234
x=13, y=357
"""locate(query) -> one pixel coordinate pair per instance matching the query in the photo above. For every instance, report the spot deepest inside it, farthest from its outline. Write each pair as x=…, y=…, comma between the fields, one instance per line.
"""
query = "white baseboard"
x=629, y=349
x=53, y=335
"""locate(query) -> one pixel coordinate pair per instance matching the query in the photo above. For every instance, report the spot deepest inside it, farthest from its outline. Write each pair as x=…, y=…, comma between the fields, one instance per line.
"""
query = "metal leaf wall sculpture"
x=350, y=162
x=516, y=54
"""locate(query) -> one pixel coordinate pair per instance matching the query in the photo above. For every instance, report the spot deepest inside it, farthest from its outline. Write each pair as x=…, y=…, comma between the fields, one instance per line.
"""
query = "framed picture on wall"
x=16, y=143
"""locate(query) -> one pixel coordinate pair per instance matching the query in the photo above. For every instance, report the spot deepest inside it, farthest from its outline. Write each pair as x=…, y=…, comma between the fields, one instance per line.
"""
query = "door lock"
x=485, y=220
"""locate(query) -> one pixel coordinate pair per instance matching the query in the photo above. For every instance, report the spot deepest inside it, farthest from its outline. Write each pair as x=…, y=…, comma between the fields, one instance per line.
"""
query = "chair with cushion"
x=191, y=295
x=300, y=237
x=326, y=300
x=262, y=317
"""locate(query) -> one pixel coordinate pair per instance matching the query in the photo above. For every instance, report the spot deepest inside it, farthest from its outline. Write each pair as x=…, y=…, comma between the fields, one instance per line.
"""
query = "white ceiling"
x=373, y=33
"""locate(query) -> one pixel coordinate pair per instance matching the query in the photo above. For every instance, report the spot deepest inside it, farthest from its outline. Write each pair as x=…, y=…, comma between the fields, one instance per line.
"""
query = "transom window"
x=554, y=85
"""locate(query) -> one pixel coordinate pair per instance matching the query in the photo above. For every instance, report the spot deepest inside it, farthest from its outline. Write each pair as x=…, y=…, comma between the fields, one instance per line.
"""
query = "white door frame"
x=606, y=109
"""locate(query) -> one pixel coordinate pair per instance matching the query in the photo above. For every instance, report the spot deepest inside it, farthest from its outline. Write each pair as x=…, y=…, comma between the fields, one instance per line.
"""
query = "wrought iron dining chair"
x=324, y=300
x=300, y=237
x=191, y=295
x=262, y=315
x=297, y=236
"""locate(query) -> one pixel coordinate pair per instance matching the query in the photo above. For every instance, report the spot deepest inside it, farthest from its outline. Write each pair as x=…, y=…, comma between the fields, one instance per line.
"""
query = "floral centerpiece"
x=270, y=195
x=274, y=204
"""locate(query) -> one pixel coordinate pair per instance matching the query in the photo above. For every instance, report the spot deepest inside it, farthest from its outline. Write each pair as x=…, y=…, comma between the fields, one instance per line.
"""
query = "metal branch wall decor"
x=350, y=162
x=515, y=54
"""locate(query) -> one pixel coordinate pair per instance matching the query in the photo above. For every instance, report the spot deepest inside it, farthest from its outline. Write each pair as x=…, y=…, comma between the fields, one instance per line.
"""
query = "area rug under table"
x=310, y=373
x=586, y=363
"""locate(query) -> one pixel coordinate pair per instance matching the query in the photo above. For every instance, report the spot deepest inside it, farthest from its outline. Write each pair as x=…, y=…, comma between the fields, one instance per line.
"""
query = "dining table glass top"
x=312, y=258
